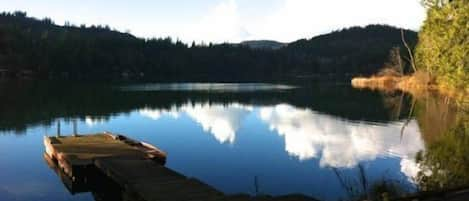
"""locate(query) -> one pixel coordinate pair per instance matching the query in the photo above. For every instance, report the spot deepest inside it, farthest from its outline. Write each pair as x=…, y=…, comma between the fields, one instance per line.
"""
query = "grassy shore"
x=416, y=84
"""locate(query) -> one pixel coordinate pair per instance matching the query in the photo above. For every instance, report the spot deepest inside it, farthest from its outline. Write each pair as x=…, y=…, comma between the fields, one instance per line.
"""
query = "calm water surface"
x=316, y=140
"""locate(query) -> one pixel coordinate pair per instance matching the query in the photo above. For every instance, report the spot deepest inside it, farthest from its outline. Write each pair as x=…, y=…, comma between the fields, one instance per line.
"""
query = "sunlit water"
x=224, y=139
x=218, y=87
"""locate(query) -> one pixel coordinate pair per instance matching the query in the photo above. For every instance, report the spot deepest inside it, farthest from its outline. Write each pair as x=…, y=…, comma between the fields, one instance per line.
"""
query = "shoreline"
x=417, y=84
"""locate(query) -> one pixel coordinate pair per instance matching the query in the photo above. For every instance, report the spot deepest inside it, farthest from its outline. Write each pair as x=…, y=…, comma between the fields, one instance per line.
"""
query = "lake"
x=320, y=140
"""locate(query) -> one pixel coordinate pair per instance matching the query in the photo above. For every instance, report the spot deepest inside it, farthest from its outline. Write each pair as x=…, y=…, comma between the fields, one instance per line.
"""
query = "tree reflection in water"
x=445, y=128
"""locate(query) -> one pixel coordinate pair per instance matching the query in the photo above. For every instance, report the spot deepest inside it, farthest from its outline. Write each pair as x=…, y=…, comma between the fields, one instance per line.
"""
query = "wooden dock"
x=137, y=168
x=74, y=153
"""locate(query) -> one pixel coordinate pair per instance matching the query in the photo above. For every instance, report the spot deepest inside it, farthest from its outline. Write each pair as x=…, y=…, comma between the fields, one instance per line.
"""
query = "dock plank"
x=155, y=182
x=124, y=169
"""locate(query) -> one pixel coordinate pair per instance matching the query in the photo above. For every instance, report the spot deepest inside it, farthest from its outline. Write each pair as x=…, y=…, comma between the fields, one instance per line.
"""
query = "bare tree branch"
x=412, y=62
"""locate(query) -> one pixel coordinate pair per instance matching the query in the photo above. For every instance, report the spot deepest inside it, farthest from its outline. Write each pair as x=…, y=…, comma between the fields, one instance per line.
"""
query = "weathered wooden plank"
x=154, y=182
x=72, y=186
x=123, y=170
x=180, y=190
x=74, y=153
x=90, y=147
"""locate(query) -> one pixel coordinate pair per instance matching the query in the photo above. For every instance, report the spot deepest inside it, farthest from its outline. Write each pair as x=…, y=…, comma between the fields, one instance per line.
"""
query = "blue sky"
x=226, y=20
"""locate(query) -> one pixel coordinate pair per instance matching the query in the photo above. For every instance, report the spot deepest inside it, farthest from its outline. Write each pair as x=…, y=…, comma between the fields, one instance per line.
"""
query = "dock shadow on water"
x=281, y=142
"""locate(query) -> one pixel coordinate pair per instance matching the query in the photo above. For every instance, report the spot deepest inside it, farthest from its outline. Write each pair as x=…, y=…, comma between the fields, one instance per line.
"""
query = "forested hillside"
x=41, y=49
x=353, y=50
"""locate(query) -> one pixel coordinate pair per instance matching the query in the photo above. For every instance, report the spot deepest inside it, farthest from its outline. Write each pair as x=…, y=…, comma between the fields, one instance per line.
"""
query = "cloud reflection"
x=93, y=121
x=222, y=121
x=339, y=143
x=308, y=134
x=156, y=114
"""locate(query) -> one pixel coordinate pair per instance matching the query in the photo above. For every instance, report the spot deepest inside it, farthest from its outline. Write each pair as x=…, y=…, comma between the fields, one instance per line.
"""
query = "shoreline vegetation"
x=439, y=61
x=417, y=84
x=407, y=83
x=438, y=83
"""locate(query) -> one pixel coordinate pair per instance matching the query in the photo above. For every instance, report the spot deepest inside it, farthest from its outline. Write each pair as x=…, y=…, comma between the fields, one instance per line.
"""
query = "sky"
x=225, y=20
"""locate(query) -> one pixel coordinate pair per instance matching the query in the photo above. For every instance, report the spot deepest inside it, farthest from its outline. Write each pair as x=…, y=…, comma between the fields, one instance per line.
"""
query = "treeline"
x=41, y=49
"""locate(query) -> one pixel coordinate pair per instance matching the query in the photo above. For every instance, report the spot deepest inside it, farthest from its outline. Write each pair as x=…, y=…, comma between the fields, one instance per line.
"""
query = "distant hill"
x=263, y=44
x=363, y=49
x=39, y=48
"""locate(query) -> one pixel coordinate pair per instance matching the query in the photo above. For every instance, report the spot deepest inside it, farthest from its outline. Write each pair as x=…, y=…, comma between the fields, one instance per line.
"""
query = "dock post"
x=256, y=186
x=75, y=128
x=58, y=128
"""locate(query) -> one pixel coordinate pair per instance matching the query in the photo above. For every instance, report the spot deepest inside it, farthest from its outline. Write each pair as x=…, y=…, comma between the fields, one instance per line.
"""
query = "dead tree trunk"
x=412, y=62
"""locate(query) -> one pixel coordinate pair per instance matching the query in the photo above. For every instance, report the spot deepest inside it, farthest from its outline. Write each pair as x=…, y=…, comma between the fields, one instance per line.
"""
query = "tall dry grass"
x=420, y=83
x=376, y=82
x=389, y=79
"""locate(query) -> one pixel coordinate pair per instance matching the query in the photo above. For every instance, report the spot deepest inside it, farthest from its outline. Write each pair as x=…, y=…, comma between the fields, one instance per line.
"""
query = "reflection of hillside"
x=26, y=104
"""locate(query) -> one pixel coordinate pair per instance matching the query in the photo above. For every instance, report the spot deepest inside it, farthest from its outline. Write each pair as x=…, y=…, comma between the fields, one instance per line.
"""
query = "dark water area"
x=320, y=140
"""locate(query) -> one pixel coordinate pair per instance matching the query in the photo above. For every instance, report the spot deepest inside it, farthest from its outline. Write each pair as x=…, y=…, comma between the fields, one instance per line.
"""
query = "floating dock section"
x=75, y=153
x=135, y=166
x=102, y=162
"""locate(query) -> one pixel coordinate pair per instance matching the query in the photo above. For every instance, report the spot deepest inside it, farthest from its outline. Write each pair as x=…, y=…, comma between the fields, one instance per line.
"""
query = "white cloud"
x=221, y=24
x=306, y=18
x=297, y=19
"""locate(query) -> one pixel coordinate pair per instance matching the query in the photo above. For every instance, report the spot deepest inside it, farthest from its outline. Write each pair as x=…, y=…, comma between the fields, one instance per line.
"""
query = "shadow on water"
x=360, y=188
x=37, y=103
x=101, y=187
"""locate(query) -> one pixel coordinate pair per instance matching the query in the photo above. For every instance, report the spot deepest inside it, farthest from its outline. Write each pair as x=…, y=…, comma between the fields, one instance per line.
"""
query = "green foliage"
x=443, y=46
x=98, y=52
